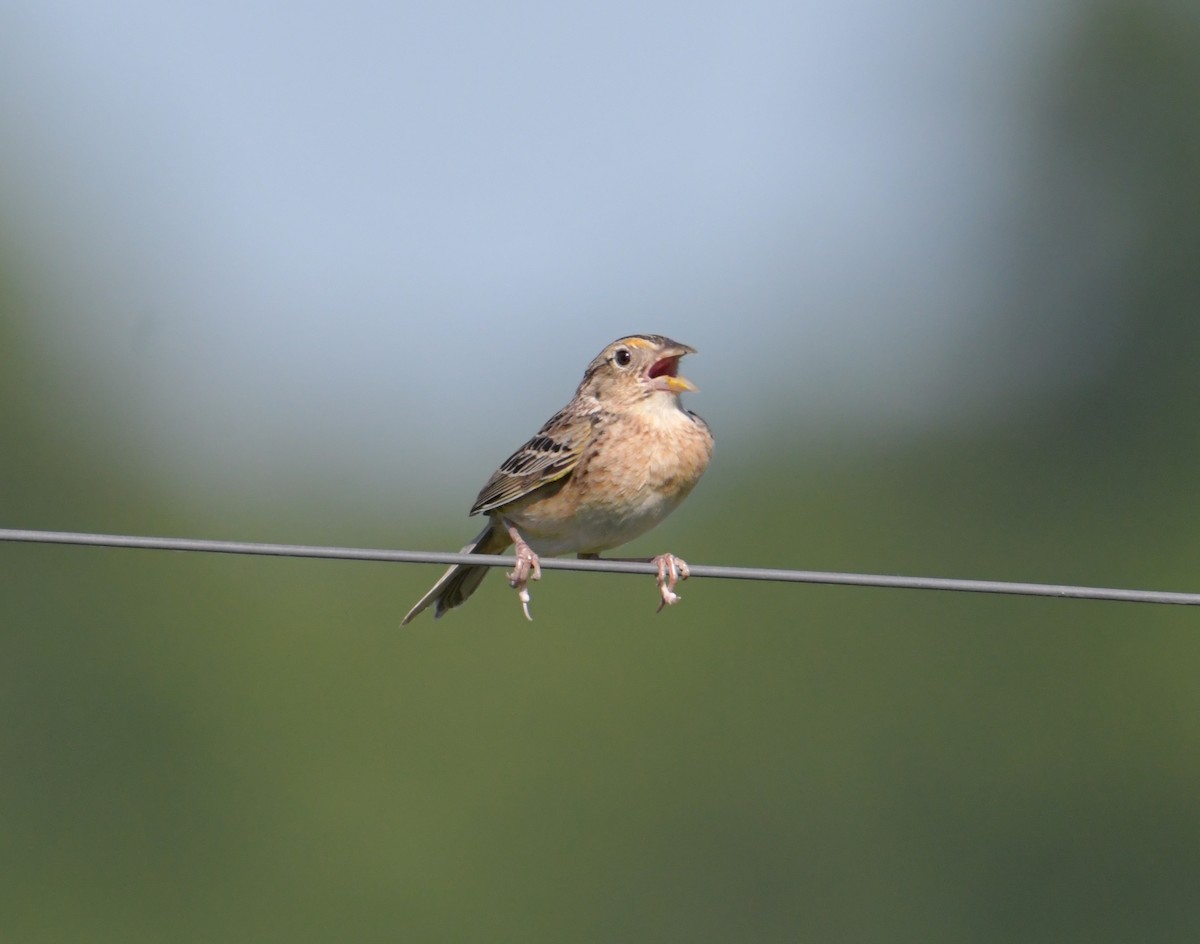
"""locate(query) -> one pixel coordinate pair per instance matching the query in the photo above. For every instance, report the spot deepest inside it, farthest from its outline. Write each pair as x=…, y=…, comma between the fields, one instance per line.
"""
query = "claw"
x=528, y=568
x=671, y=570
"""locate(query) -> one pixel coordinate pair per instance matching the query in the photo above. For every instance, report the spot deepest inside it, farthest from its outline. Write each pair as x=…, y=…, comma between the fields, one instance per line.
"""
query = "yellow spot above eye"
x=635, y=342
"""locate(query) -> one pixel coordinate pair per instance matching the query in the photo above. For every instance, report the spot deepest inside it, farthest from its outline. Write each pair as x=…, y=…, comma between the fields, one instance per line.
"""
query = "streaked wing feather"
x=547, y=457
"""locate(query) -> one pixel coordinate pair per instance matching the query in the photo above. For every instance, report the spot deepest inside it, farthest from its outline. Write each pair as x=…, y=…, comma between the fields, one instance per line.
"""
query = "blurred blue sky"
x=381, y=239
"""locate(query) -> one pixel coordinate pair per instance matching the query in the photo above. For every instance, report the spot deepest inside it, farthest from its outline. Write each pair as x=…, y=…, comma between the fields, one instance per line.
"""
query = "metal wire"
x=606, y=566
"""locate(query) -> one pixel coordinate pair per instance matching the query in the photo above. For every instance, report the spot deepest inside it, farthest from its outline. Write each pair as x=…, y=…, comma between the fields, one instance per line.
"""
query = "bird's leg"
x=671, y=570
x=528, y=566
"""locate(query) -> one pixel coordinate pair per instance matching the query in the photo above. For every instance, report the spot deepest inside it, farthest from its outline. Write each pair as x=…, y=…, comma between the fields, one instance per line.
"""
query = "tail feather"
x=461, y=580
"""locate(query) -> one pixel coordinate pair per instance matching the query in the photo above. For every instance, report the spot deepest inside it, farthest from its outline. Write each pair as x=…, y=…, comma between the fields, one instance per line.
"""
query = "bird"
x=603, y=470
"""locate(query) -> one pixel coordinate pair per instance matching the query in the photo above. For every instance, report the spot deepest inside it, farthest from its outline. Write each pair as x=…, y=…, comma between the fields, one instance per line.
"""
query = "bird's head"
x=637, y=366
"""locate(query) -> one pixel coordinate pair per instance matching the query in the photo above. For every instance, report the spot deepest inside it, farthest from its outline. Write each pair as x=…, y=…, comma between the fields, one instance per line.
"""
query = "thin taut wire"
x=608, y=566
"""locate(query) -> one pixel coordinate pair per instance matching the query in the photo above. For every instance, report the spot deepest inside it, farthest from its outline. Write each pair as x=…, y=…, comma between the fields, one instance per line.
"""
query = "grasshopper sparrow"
x=607, y=467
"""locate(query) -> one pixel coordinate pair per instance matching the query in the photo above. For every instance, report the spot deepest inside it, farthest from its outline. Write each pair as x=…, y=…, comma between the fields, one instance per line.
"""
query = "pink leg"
x=671, y=570
x=528, y=566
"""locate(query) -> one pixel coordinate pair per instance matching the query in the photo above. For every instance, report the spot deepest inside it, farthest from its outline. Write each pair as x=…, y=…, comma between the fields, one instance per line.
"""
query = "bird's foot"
x=671, y=570
x=528, y=568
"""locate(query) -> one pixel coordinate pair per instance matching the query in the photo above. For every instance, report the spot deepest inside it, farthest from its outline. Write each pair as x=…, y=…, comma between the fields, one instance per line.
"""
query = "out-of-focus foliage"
x=198, y=749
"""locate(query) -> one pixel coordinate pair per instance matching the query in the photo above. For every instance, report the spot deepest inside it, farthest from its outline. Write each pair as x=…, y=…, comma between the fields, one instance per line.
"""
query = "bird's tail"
x=461, y=580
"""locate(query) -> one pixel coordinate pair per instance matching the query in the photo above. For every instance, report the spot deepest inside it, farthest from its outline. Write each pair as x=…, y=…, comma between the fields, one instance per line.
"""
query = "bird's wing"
x=547, y=457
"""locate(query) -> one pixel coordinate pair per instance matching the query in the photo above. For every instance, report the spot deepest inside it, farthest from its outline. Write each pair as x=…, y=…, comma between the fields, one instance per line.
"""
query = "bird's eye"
x=622, y=357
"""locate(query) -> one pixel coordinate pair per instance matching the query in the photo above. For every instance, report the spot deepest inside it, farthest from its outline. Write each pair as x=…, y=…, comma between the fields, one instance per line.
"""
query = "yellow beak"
x=680, y=385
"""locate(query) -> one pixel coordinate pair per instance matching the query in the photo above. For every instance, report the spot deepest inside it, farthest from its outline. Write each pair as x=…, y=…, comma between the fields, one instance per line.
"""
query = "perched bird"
x=606, y=468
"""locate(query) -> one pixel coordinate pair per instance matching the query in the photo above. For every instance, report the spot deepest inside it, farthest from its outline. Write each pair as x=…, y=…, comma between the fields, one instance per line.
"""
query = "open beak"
x=664, y=372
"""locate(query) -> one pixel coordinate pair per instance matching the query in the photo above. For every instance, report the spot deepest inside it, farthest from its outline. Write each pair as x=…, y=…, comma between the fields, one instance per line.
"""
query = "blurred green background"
x=199, y=748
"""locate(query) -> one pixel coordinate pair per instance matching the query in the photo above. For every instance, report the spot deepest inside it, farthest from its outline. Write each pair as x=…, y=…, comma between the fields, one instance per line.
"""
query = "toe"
x=671, y=570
